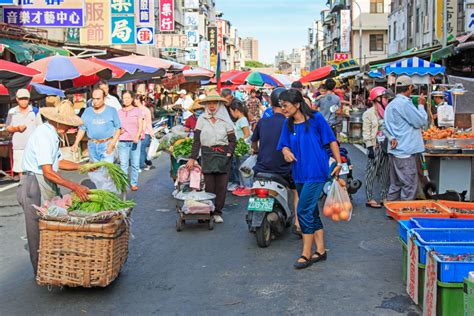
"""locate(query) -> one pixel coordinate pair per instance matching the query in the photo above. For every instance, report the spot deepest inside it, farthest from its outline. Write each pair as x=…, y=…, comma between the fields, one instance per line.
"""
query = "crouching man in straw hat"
x=41, y=162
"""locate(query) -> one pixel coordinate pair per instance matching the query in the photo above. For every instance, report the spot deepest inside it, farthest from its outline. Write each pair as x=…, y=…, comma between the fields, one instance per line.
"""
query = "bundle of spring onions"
x=100, y=200
x=119, y=177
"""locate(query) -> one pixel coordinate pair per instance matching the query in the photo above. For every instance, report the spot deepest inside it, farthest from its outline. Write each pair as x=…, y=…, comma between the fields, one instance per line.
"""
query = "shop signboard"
x=166, y=11
x=7, y=2
x=73, y=35
x=469, y=15
x=451, y=19
x=123, y=29
x=171, y=41
x=193, y=37
x=146, y=16
x=46, y=13
x=192, y=54
x=204, y=55
x=145, y=35
x=341, y=56
x=345, y=31
x=220, y=35
x=97, y=28
x=212, y=36
x=191, y=19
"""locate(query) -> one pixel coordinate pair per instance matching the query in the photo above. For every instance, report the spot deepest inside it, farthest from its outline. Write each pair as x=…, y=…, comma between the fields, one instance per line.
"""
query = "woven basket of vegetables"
x=90, y=255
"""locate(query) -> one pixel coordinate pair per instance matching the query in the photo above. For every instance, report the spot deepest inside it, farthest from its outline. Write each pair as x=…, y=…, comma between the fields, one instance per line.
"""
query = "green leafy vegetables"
x=242, y=148
x=182, y=148
x=100, y=200
x=117, y=175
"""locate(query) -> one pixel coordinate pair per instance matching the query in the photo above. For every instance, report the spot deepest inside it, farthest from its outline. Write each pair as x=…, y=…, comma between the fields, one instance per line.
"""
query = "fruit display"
x=462, y=211
x=423, y=209
x=468, y=257
x=436, y=133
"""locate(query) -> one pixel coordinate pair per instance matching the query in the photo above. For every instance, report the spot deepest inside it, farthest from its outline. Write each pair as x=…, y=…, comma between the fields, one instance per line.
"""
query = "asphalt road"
x=220, y=272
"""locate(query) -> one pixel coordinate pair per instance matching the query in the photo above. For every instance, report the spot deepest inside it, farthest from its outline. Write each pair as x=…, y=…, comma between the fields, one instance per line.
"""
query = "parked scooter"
x=270, y=207
x=160, y=127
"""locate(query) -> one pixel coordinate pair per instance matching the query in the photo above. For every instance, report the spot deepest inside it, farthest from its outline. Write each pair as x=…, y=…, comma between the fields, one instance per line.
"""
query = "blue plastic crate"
x=446, y=237
x=453, y=271
x=442, y=223
x=404, y=227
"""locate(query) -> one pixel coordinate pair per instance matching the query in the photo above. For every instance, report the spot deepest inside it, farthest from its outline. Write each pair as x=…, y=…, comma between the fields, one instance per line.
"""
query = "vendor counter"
x=452, y=170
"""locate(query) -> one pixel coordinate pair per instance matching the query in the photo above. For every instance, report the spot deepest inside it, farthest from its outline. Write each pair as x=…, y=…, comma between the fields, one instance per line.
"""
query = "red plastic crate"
x=462, y=205
x=393, y=209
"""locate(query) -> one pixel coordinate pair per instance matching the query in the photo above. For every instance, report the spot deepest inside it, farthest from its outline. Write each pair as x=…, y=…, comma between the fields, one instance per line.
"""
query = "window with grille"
x=376, y=42
x=376, y=6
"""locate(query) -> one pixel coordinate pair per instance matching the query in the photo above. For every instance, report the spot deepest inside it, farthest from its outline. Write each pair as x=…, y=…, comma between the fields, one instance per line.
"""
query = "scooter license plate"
x=261, y=204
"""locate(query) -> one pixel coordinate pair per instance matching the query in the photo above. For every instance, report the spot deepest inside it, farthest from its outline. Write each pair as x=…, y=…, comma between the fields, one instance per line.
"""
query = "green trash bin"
x=404, y=261
x=450, y=299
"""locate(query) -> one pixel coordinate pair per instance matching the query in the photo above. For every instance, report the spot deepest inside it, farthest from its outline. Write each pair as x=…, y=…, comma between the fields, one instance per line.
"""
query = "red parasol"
x=319, y=74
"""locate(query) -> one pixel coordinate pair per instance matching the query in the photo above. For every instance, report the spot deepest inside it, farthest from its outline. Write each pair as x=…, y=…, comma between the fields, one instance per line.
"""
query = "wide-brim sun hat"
x=196, y=106
x=213, y=96
x=63, y=114
x=438, y=94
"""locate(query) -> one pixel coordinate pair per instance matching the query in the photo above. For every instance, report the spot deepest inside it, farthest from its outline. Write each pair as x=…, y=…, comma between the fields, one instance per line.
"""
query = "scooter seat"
x=271, y=177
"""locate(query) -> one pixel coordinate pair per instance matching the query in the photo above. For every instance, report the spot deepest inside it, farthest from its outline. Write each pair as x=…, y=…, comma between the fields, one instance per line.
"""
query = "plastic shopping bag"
x=102, y=180
x=246, y=168
x=153, y=149
x=338, y=205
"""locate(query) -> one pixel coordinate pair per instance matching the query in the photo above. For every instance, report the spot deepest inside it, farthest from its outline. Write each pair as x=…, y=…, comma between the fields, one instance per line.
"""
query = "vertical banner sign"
x=212, y=36
x=146, y=16
x=412, y=270
x=204, y=55
x=192, y=54
x=123, y=21
x=193, y=36
x=191, y=19
x=220, y=35
x=45, y=13
x=450, y=20
x=166, y=10
x=346, y=31
x=97, y=28
x=431, y=286
x=191, y=4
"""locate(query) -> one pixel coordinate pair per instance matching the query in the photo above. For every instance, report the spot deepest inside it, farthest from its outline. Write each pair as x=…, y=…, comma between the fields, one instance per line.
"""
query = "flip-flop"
x=372, y=205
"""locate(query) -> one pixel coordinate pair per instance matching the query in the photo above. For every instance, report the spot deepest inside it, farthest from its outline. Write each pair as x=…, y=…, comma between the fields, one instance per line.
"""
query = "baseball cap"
x=182, y=91
x=23, y=94
x=404, y=81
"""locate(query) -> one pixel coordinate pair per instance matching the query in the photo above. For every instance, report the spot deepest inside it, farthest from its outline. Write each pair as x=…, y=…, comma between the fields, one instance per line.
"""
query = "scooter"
x=270, y=207
x=160, y=127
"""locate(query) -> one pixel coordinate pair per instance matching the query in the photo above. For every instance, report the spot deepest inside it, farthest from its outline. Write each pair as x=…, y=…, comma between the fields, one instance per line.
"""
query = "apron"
x=48, y=189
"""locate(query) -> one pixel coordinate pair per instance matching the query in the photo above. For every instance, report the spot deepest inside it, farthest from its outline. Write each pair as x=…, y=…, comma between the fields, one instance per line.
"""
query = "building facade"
x=250, y=47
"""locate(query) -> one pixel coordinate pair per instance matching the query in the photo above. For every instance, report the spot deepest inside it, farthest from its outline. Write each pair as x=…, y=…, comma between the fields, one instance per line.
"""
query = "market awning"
x=319, y=74
x=26, y=52
x=415, y=66
x=442, y=53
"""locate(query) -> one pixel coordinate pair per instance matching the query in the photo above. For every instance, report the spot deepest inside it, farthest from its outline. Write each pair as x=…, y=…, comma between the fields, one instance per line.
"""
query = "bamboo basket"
x=81, y=255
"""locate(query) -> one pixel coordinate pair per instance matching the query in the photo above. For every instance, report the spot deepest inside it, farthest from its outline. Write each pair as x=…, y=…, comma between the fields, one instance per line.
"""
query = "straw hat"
x=213, y=96
x=197, y=104
x=63, y=114
x=438, y=94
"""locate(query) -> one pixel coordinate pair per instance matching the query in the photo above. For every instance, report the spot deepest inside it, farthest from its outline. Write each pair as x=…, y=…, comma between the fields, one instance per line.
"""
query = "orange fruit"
x=335, y=217
x=327, y=211
x=344, y=215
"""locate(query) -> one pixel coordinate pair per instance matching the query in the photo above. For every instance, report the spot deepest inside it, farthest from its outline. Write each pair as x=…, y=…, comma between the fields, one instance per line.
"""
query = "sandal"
x=373, y=204
x=319, y=257
x=302, y=265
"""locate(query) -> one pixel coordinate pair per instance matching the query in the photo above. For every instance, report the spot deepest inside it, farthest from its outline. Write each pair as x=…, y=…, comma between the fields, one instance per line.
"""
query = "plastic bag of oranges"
x=338, y=205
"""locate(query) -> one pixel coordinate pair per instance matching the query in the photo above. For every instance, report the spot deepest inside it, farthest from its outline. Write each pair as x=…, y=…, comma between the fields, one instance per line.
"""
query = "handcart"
x=193, y=204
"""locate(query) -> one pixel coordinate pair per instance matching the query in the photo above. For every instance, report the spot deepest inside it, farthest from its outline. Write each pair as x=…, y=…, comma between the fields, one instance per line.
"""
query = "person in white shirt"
x=444, y=111
x=184, y=102
x=110, y=100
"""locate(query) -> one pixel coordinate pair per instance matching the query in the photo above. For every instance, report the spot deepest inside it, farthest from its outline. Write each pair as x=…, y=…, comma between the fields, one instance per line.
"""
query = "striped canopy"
x=414, y=66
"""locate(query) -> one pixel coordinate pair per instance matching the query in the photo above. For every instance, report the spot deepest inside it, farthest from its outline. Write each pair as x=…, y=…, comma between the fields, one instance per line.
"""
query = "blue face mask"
x=199, y=112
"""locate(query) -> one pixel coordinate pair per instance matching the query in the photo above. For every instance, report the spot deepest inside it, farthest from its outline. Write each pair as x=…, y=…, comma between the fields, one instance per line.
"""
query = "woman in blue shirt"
x=302, y=142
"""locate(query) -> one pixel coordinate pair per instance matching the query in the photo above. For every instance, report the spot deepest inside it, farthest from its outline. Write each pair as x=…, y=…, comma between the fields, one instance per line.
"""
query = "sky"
x=277, y=24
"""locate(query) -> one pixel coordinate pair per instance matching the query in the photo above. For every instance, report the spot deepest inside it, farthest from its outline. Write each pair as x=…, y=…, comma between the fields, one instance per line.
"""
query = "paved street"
x=220, y=272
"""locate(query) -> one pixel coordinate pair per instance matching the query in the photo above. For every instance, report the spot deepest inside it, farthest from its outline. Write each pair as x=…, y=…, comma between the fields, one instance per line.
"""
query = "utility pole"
x=445, y=28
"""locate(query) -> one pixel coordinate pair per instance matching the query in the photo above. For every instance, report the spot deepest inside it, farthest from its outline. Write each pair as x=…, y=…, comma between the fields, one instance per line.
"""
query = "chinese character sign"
x=220, y=35
x=212, y=36
x=204, y=55
x=145, y=35
x=146, y=12
x=340, y=56
x=122, y=6
x=469, y=14
x=191, y=19
x=171, y=41
x=123, y=30
x=193, y=36
x=46, y=13
x=450, y=19
x=97, y=28
x=345, y=31
x=73, y=35
x=192, y=54
x=191, y=4
x=166, y=10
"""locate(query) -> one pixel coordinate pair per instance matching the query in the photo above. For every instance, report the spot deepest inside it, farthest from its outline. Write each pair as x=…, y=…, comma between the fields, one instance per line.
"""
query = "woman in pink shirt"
x=131, y=120
x=147, y=133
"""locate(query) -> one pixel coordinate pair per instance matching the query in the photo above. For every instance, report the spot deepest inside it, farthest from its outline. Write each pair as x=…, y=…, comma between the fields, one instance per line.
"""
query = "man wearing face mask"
x=304, y=91
x=404, y=121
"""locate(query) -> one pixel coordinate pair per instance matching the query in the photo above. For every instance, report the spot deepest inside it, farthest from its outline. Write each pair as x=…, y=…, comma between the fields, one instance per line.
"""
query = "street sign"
x=340, y=56
x=145, y=35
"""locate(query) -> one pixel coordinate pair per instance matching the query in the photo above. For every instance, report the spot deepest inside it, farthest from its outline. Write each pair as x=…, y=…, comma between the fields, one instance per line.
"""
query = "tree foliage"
x=255, y=64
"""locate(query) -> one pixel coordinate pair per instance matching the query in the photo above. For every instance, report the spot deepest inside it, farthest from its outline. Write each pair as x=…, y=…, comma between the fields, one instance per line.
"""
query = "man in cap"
x=184, y=102
x=404, y=121
x=41, y=162
x=22, y=120
x=443, y=113
x=102, y=125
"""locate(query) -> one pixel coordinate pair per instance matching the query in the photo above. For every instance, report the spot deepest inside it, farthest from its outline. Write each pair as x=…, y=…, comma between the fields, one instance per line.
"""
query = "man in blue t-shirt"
x=102, y=126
